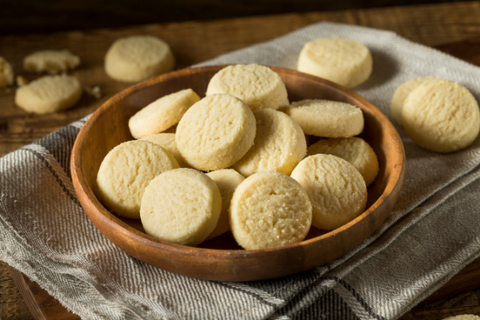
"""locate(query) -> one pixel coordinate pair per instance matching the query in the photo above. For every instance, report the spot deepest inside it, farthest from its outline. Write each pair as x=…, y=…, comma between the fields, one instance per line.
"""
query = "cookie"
x=325, y=118
x=162, y=114
x=343, y=61
x=279, y=144
x=167, y=141
x=337, y=190
x=463, y=317
x=258, y=86
x=181, y=206
x=49, y=94
x=6, y=73
x=215, y=132
x=401, y=94
x=355, y=150
x=227, y=181
x=126, y=171
x=441, y=116
x=51, y=61
x=137, y=58
x=269, y=209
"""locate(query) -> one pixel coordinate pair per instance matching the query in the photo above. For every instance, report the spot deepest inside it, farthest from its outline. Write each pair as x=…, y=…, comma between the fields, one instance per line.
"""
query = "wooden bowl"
x=221, y=259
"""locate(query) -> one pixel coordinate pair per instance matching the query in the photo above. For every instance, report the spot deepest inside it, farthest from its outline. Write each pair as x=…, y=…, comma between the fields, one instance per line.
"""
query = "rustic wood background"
x=451, y=27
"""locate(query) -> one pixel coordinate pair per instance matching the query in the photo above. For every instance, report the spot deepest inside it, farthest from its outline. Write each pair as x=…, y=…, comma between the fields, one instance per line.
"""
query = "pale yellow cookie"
x=49, y=94
x=343, y=61
x=401, y=94
x=337, y=190
x=463, y=317
x=126, y=171
x=269, y=209
x=227, y=181
x=279, y=144
x=326, y=118
x=6, y=73
x=258, y=86
x=441, y=116
x=167, y=141
x=215, y=132
x=137, y=58
x=162, y=114
x=51, y=61
x=181, y=206
x=355, y=150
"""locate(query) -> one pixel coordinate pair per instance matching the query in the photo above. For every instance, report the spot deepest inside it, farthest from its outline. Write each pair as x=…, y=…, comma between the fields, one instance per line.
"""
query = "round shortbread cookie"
x=6, y=73
x=216, y=132
x=463, y=317
x=167, y=141
x=49, y=94
x=441, y=116
x=162, y=114
x=326, y=118
x=51, y=61
x=279, y=144
x=181, y=206
x=137, y=58
x=402, y=92
x=343, y=61
x=269, y=209
x=258, y=86
x=126, y=171
x=337, y=190
x=355, y=150
x=227, y=181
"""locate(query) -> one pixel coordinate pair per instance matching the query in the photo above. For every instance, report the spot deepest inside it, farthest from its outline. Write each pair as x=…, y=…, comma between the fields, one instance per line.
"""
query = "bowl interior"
x=108, y=127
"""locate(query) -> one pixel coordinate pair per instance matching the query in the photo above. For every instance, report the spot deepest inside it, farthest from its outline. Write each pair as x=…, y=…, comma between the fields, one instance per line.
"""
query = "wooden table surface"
x=453, y=28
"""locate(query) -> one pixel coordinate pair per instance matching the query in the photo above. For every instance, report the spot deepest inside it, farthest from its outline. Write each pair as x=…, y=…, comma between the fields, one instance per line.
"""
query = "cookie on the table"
x=126, y=171
x=463, y=317
x=167, y=141
x=215, y=132
x=181, y=206
x=258, y=86
x=441, y=116
x=279, y=144
x=326, y=118
x=162, y=114
x=337, y=190
x=343, y=61
x=49, y=94
x=227, y=181
x=269, y=209
x=137, y=58
x=355, y=150
x=6, y=73
x=51, y=61
x=402, y=92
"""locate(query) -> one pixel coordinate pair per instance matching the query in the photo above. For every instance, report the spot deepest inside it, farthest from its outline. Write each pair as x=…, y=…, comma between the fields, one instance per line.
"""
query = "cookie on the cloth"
x=343, y=61
x=441, y=116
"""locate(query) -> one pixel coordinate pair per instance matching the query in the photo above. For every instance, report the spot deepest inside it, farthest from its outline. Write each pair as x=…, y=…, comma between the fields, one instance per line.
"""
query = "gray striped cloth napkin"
x=432, y=233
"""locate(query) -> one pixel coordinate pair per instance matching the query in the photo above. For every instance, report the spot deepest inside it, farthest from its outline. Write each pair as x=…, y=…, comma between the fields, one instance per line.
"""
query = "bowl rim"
x=108, y=219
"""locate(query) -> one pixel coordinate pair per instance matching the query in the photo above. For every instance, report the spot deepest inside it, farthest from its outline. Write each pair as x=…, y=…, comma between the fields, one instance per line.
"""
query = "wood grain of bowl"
x=220, y=258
